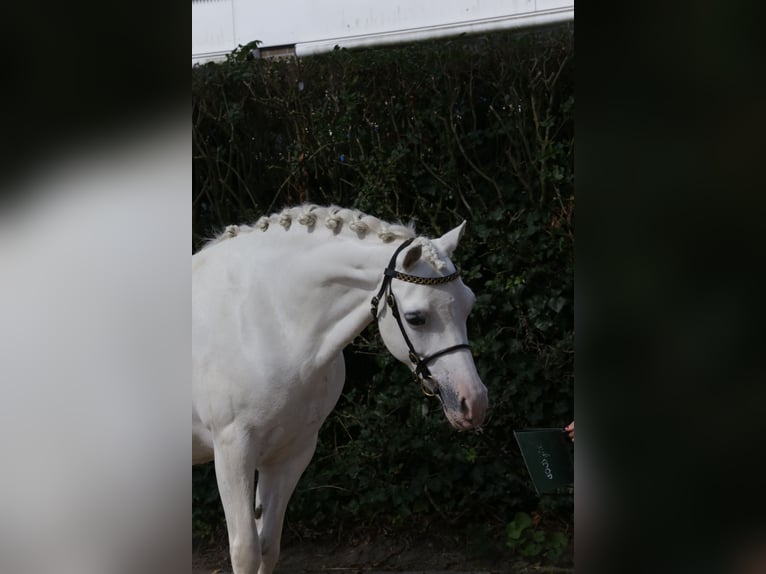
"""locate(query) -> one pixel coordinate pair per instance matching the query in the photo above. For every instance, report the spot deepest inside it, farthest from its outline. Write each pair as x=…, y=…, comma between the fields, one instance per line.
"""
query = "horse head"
x=422, y=307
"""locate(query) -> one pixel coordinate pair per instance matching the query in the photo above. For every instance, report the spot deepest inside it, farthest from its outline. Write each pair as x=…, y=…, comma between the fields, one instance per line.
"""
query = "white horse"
x=273, y=307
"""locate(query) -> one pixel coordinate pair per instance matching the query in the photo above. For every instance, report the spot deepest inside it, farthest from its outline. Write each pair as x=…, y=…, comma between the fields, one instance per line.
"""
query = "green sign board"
x=548, y=456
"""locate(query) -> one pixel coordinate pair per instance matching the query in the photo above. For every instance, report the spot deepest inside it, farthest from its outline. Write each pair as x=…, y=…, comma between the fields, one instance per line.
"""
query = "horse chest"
x=306, y=407
x=320, y=392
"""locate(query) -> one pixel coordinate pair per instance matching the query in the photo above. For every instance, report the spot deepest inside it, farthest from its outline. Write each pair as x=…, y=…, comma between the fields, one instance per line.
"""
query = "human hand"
x=570, y=430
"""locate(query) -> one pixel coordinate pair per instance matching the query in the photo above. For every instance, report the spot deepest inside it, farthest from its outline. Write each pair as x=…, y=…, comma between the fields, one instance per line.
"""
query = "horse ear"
x=412, y=256
x=447, y=243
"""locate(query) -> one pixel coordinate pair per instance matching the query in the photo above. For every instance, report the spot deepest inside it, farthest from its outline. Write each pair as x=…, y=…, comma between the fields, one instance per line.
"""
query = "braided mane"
x=338, y=220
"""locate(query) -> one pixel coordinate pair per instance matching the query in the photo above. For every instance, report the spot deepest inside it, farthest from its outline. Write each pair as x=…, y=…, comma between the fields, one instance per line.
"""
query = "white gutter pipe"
x=537, y=19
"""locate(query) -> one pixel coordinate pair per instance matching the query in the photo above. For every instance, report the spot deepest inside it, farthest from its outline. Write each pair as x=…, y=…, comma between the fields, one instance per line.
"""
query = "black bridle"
x=422, y=373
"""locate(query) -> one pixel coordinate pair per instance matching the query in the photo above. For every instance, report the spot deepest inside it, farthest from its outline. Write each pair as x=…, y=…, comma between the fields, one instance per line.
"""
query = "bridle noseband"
x=422, y=373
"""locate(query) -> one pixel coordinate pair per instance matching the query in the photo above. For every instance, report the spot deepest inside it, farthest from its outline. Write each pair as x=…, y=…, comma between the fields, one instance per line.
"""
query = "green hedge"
x=477, y=129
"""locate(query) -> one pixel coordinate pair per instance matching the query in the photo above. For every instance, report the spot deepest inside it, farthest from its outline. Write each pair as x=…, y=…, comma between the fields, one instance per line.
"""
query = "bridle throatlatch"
x=422, y=374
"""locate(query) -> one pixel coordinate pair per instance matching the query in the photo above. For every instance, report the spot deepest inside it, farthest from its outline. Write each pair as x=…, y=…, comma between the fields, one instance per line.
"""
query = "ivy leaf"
x=557, y=303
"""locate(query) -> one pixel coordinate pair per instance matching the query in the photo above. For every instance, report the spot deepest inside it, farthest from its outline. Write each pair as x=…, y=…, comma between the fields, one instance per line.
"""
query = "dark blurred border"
x=77, y=70
x=669, y=290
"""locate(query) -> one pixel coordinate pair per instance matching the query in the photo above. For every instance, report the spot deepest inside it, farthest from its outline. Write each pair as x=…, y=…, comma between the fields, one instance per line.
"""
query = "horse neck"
x=331, y=282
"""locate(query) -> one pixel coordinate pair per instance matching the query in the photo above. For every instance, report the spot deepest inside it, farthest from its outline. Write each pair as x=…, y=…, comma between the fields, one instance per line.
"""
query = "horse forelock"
x=336, y=219
x=431, y=255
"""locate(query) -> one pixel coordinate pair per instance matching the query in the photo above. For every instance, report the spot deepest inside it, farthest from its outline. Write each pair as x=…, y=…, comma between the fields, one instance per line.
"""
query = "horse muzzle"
x=464, y=410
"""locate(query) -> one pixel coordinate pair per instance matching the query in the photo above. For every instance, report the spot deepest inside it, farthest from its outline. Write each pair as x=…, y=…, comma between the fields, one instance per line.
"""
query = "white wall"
x=314, y=26
x=212, y=27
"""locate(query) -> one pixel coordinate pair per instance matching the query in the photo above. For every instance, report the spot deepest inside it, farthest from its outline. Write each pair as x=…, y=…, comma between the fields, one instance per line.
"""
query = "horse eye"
x=415, y=318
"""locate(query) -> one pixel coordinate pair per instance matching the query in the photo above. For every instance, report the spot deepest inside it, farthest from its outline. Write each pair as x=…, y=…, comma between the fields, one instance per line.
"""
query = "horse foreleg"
x=276, y=483
x=235, y=473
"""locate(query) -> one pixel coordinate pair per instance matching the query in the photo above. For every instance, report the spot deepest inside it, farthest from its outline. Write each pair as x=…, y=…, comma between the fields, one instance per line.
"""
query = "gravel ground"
x=385, y=555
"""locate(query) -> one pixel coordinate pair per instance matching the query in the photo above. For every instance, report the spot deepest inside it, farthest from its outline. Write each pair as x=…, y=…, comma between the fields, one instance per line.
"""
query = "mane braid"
x=336, y=219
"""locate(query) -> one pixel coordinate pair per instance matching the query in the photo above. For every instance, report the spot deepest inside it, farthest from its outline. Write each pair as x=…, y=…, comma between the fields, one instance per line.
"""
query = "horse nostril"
x=464, y=407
